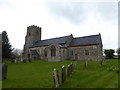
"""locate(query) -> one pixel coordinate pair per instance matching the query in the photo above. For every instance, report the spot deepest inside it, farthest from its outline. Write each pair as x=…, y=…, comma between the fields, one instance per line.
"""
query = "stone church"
x=61, y=48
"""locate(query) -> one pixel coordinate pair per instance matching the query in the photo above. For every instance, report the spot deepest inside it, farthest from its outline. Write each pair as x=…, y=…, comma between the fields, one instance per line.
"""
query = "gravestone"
x=21, y=60
x=29, y=60
x=24, y=61
x=63, y=74
x=72, y=67
x=86, y=64
x=16, y=62
x=4, y=71
x=68, y=71
x=101, y=62
x=56, y=78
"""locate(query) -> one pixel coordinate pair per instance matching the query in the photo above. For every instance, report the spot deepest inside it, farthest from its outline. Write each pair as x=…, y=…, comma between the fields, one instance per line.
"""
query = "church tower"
x=33, y=35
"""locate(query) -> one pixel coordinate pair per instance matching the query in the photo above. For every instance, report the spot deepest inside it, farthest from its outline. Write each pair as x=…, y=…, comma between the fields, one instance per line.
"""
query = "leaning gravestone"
x=56, y=78
x=63, y=74
x=4, y=71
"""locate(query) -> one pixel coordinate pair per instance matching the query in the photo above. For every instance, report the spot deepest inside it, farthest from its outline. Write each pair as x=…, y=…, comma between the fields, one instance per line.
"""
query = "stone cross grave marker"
x=56, y=78
x=4, y=71
x=63, y=74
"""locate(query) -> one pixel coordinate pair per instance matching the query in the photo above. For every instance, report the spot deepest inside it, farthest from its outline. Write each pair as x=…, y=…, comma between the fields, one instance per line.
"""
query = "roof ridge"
x=87, y=36
x=56, y=38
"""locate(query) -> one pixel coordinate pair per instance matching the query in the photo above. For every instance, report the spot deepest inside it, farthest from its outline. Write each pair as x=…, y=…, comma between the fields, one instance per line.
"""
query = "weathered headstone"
x=63, y=74
x=101, y=62
x=16, y=62
x=68, y=71
x=56, y=78
x=4, y=71
x=29, y=60
x=24, y=61
x=72, y=67
x=21, y=60
x=86, y=64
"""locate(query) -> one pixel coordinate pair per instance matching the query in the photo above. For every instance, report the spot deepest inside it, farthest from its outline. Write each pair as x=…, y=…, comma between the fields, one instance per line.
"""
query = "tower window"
x=29, y=34
x=53, y=51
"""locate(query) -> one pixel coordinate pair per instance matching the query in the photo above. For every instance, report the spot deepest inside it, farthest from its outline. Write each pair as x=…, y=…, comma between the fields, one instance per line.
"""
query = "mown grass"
x=35, y=74
x=38, y=74
x=94, y=76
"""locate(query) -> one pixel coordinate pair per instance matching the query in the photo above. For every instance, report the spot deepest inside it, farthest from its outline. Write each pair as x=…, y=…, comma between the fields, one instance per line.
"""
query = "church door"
x=76, y=57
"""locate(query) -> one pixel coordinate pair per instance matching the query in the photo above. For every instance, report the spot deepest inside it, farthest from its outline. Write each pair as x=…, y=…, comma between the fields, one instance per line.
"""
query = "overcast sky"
x=60, y=19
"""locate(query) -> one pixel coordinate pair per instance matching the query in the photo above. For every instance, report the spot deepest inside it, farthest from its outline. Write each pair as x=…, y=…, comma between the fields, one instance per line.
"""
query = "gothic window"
x=86, y=52
x=53, y=51
x=45, y=51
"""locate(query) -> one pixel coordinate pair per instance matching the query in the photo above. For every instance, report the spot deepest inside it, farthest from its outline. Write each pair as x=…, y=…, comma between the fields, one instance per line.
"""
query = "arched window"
x=53, y=51
x=45, y=51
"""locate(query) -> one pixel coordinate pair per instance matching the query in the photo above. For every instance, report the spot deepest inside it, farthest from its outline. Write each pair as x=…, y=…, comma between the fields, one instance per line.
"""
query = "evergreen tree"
x=6, y=46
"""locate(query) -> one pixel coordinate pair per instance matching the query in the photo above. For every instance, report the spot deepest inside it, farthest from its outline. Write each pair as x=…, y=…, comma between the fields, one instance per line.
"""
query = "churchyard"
x=39, y=74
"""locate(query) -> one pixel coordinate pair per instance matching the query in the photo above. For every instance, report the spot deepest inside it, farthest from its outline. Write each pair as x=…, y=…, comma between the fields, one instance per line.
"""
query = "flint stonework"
x=65, y=47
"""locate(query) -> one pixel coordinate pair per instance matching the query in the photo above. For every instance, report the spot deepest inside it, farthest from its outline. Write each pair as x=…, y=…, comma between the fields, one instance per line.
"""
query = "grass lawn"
x=38, y=74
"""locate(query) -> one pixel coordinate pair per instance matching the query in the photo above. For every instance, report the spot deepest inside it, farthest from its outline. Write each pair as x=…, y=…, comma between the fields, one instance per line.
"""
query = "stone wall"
x=72, y=53
x=80, y=53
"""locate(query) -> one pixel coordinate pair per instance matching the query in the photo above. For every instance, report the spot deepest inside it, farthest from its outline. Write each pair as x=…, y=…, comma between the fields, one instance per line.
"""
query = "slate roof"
x=86, y=40
x=34, y=52
x=58, y=40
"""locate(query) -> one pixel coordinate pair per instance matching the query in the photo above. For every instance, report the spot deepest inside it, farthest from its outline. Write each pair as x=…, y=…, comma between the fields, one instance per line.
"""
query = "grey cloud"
x=71, y=11
x=76, y=12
